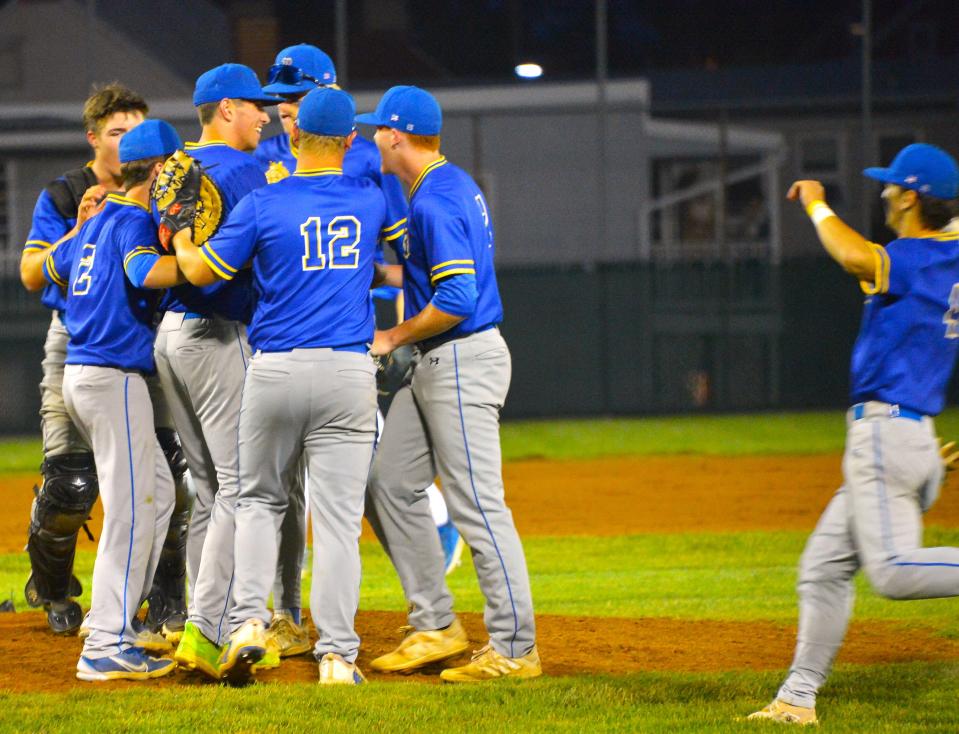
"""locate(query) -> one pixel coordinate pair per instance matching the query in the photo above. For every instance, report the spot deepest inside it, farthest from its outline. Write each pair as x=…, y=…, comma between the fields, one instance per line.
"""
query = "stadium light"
x=529, y=71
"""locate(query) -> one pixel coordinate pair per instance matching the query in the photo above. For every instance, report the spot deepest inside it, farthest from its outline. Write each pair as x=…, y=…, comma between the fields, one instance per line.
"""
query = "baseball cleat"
x=197, y=652
x=334, y=670
x=173, y=628
x=421, y=648
x=271, y=658
x=246, y=648
x=786, y=713
x=487, y=664
x=453, y=546
x=131, y=664
x=149, y=640
x=291, y=638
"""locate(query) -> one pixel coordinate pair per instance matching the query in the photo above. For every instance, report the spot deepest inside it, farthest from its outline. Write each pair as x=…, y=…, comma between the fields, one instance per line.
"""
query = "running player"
x=901, y=365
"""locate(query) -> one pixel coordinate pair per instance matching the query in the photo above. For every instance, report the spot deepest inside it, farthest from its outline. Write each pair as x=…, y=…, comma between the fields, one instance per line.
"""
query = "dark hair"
x=935, y=213
x=206, y=111
x=108, y=100
x=136, y=172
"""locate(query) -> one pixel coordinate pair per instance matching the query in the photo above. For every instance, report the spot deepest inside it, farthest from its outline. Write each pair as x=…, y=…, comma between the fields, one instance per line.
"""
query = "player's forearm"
x=31, y=269
x=847, y=247
x=391, y=275
x=427, y=323
x=165, y=273
x=189, y=261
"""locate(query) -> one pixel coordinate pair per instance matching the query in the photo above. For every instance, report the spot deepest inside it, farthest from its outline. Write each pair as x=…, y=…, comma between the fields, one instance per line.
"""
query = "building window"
x=822, y=158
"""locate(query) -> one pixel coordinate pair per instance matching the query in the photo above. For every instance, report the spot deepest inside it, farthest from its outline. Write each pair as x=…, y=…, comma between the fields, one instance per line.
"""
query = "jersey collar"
x=320, y=172
x=207, y=144
x=441, y=161
x=124, y=201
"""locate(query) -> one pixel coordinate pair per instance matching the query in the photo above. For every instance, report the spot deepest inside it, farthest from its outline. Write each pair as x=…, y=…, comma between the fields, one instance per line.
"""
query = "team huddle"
x=209, y=373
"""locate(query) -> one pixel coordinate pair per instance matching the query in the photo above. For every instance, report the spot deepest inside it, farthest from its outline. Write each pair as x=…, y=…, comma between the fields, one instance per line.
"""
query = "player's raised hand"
x=92, y=202
x=806, y=191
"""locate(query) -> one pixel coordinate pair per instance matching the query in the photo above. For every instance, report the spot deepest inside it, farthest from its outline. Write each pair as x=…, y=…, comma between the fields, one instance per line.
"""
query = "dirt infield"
x=567, y=645
x=608, y=497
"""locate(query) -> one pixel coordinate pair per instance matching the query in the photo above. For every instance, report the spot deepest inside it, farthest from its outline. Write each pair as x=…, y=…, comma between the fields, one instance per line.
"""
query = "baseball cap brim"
x=371, y=118
x=289, y=88
x=265, y=99
x=886, y=175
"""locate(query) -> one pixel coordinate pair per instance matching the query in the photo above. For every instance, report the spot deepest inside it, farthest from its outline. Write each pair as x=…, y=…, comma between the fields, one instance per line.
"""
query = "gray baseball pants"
x=60, y=436
x=111, y=409
x=892, y=473
x=201, y=364
x=446, y=422
x=320, y=403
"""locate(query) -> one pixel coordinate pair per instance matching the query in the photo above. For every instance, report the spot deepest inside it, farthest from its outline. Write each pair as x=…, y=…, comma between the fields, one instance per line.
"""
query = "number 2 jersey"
x=907, y=342
x=311, y=237
x=110, y=320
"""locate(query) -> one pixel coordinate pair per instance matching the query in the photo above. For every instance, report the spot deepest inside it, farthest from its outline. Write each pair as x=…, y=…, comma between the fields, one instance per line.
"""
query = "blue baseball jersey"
x=46, y=227
x=449, y=232
x=907, y=343
x=236, y=174
x=311, y=238
x=278, y=159
x=109, y=319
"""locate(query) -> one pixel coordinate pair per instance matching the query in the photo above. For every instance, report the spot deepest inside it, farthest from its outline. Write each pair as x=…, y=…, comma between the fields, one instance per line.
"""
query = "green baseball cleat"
x=196, y=652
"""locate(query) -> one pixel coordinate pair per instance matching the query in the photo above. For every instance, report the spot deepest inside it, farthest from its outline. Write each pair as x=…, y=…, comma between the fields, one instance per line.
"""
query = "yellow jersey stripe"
x=454, y=271
x=138, y=251
x=396, y=224
x=36, y=245
x=120, y=199
x=226, y=266
x=319, y=172
x=52, y=271
x=452, y=262
x=393, y=236
x=441, y=161
x=880, y=282
x=213, y=266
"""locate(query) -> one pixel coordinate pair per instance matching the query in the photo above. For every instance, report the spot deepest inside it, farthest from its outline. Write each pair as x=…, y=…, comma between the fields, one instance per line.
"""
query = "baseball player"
x=108, y=266
x=201, y=348
x=310, y=388
x=446, y=419
x=901, y=365
x=69, y=487
x=297, y=70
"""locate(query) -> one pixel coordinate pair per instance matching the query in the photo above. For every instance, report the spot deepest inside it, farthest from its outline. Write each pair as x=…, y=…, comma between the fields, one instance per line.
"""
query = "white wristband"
x=819, y=211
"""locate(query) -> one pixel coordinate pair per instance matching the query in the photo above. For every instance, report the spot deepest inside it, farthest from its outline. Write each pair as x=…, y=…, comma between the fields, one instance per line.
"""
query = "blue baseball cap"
x=149, y=139
x=923, y=168
x=230, y=81
x=407, y=109
x=298, y=69
x=326, y=111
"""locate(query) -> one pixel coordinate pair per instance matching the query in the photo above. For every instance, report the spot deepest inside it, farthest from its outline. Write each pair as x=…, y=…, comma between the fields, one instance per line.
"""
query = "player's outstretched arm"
x=165, y=273
x=191, y=264
x=844, y=244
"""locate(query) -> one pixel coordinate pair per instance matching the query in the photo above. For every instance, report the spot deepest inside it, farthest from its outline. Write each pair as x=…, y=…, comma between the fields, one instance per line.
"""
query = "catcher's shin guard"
x=167, y=598
x=60, y=509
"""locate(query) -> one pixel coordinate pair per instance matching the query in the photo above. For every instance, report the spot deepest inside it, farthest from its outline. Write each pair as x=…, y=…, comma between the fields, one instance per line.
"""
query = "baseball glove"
x=186, y=196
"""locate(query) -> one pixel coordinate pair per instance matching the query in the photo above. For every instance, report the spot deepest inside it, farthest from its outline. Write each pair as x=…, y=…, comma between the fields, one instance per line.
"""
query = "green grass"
x=723, y=435
x=881, y=699
x=691, y=576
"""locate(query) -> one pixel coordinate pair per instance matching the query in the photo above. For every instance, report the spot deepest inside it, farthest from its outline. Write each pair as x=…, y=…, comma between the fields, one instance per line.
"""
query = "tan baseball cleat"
x=291, y=638
x=487, y=664
x=786, y=713
x=422, y=648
